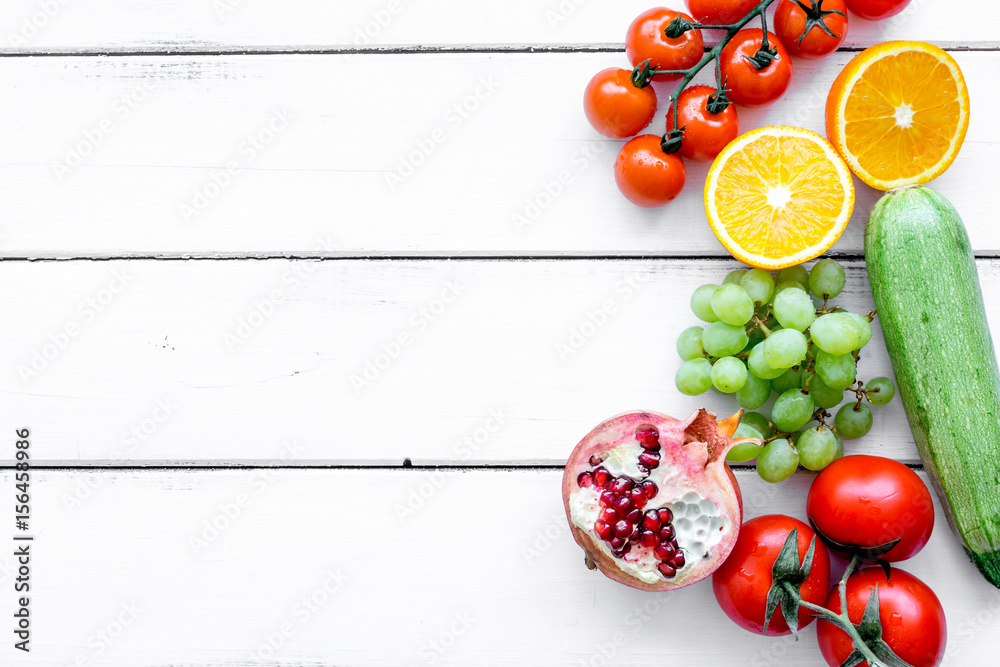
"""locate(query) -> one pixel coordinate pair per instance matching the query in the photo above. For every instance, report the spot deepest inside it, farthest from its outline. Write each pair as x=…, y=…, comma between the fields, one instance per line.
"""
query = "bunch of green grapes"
x=766, y=334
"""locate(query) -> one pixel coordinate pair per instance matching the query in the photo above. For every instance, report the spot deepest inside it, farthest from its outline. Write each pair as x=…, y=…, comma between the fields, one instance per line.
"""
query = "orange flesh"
x=772, y=171
x=926, y=96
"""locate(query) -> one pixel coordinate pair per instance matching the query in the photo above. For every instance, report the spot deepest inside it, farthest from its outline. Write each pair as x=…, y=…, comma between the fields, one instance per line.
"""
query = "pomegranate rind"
x=696, y=449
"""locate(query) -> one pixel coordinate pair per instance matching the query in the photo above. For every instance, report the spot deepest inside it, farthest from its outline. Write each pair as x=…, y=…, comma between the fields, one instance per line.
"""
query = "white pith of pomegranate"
x=651, y=499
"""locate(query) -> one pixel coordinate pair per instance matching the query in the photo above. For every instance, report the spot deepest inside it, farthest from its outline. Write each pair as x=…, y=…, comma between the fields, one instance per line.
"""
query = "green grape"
x=701, y=303
x=817, y=447
x=863, y=325
x=784, y=348
x=797, y=273
x=823, y=395
x=758, y=422
x=790, y=379
x=732, y=305
x=729, y=374
x=689, y=344
x=759, y=284
x=786, y=285
x=759, y=366
x=734, y=277
x=746, y=431
x=778, y=461
x=745, y=451
x=837, y=372
x=840, y=446
x=836, y=333
x=722, y=340
x=853, y=420
x=826, y=280
x=794, y=309
x=694, y=377
x=880, y=390
x=792, y=410
x=754, y=393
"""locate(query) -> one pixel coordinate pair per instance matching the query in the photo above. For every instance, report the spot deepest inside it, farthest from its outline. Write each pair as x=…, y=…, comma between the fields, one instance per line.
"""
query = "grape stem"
x=643, y=74
x=759, y=323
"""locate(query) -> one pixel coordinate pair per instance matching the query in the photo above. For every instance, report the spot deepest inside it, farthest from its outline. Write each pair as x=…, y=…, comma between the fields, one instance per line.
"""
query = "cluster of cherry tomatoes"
x=871, y=506
x=753, y=69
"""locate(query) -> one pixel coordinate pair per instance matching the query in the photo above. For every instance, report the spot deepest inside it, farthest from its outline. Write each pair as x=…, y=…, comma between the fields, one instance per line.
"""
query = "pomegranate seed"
x=616, y=543
x=603, y=530
x=601, y=477
x=607, y=499
x=638, y=496
x=595, y=460
x=651, y=489
x=649, y=539
x=666, y=516
x=651, y=520
x=664, y=552
x=585, y=479
x=667, y=533
x=633, y=517
x=673, y=543
x=625, y=549
x=623, y=504
x=649, y=459
x=623, y=529
x=648, y=437
x=643, y=470
x=666, y=570
x=609, y=515
x=678, y=560
x=620, y=485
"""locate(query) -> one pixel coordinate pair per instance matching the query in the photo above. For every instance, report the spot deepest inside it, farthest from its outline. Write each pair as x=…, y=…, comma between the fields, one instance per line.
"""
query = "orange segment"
x=778, y=196
x=898, y=113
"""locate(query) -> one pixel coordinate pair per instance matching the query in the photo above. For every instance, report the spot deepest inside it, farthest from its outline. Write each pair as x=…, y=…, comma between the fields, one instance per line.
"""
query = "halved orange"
x=898, y=113
x=778, y=196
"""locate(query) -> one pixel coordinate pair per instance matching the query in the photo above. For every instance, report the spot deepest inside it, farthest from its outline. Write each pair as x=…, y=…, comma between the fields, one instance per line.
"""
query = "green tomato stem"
x=731, y=30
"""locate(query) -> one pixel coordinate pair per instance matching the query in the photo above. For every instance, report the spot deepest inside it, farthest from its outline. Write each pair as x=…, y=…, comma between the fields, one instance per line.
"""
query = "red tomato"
x=705, y=133
x=615, y=107
x=913, y=622
x=748, y=86
x=790, y=22
x=715, y=12
x=874, y=10
x=646, y=175
x=742, y=582
x=870, y=500
x=646, y=40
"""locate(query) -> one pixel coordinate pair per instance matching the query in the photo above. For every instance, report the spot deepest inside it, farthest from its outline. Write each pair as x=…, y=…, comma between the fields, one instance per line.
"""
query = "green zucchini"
x=926, y=288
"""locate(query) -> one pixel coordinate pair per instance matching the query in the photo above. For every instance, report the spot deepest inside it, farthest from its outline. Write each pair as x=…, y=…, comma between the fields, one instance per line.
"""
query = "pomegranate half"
x=651, y=500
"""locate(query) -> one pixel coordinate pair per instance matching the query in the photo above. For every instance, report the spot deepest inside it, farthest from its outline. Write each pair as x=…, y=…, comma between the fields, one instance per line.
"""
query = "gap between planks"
x=406, y=49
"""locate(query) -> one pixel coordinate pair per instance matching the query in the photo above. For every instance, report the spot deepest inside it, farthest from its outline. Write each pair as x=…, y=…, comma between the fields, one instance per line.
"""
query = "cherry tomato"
x=748, y=86
x=705, y=133
x=913, y=622
x=615, y=106
x=790, y=22
x=870, y=500
x=875, y=10
x=646, y=175
x=646, y=40
x=742, y=583
x=716, y=12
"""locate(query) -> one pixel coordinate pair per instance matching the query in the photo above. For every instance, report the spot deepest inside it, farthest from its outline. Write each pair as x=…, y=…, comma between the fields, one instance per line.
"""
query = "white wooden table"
x=295, y=299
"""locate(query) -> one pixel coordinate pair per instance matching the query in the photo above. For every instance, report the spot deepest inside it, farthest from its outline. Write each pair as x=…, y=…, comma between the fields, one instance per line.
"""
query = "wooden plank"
x=473, y=361
x=40, y=25
x=235, y=155
x=135, y=574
